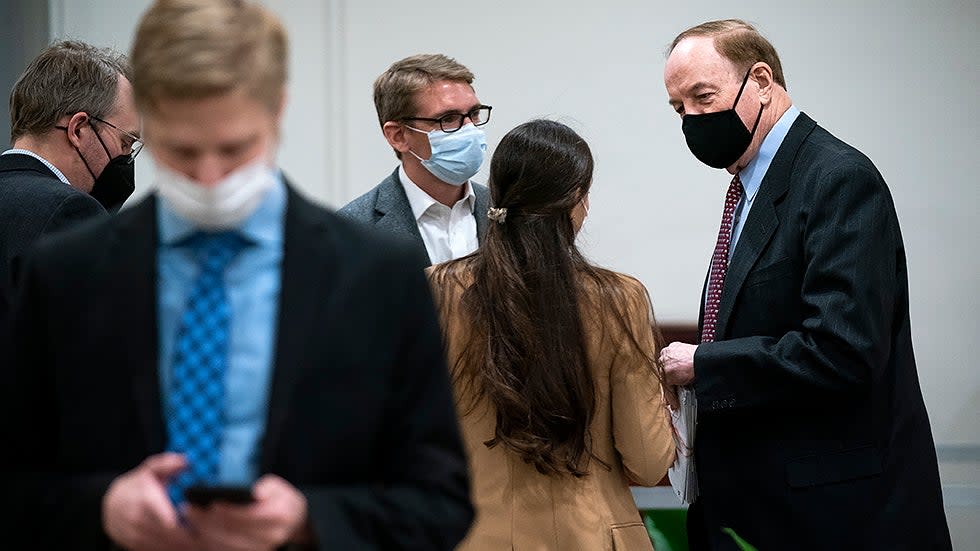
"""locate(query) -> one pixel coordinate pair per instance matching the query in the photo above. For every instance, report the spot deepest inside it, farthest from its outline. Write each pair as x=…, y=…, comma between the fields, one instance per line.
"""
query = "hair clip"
x=498, y=215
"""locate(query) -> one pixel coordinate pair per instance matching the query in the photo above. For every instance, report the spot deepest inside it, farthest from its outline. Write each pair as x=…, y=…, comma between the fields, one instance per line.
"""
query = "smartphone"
x=206, y=495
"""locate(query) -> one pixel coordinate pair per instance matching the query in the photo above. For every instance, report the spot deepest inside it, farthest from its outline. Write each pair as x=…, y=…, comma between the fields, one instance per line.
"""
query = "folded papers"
x=682, y=474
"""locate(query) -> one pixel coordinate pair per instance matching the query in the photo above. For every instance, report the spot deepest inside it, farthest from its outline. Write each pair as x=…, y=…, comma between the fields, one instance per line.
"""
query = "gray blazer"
x=386, y=207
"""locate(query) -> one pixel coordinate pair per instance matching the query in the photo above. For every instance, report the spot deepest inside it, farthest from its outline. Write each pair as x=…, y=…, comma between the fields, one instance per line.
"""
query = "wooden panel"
x=680, y=332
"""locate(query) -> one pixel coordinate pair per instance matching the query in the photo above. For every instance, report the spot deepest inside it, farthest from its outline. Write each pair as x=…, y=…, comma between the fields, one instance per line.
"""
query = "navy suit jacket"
x=812, y=430
x=34, y=202
x=360, y=419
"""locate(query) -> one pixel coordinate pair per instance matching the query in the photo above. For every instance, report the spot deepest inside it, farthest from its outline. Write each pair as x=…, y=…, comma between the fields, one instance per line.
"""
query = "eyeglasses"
x=454, y=121
x=135, y=144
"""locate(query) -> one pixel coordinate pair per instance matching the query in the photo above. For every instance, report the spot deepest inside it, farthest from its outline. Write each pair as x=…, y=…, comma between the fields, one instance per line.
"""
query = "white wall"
x=897, y=79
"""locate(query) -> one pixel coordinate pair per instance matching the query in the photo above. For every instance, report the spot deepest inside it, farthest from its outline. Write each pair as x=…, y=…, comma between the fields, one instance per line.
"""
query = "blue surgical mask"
x=456, y=156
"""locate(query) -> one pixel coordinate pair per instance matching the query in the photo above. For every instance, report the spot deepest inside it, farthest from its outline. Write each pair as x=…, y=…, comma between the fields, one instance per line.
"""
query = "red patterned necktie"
x=719, y=262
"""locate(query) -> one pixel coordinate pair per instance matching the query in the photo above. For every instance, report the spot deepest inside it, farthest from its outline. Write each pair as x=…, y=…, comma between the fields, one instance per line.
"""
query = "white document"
x=682, y=475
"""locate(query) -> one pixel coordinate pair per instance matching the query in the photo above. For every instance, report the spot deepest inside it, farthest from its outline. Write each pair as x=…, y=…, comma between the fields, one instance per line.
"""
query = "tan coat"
x=523, y=510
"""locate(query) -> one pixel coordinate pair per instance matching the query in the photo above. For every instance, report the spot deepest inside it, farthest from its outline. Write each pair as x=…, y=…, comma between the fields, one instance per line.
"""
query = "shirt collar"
x=53, y=168
x=264, y=227
x=753, y=173
x=421, y=201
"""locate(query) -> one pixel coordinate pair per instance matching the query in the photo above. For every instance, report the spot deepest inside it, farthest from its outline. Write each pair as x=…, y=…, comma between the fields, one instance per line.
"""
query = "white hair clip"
x=498, y=215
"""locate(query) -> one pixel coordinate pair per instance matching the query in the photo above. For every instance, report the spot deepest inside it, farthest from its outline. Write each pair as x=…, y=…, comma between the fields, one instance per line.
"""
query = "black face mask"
x=719, y=139
x=117, y=181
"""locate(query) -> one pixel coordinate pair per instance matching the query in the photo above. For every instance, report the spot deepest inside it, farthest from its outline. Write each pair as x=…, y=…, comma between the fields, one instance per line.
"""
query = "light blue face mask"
x=456, y=156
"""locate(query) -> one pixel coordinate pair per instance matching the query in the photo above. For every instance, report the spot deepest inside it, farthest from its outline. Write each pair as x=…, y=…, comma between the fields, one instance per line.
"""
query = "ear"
x=75, y=124
x=395, y=134
x=761, y=73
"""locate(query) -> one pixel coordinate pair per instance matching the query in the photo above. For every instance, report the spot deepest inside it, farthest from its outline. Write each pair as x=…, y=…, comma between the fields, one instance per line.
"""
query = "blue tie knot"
x=215, y=251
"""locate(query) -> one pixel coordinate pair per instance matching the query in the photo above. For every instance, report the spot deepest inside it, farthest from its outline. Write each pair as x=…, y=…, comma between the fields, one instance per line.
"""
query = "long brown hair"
x=525, y=347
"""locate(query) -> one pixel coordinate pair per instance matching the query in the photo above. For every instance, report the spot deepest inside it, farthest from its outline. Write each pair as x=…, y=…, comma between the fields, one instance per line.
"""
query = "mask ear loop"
x=102, y=143
x=757, y=119
x=414, y=154
x=739, y=95
x=79, y=152
x=742, y=87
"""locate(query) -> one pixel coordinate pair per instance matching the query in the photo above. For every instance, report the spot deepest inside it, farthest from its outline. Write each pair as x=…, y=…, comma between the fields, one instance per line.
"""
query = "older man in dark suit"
x=812, y=432
x=431, y=117
x=75, y=132
x=226, y=332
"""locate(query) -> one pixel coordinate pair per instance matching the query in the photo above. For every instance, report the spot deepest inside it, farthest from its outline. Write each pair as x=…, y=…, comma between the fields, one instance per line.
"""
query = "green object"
x=659, y=540
x=667, y=528
x=742, y=544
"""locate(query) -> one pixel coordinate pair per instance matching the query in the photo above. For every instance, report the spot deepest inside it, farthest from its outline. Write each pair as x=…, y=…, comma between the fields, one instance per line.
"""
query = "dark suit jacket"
x=386, y=207
x=812, y=430
x=34, y=202
x=360, y=415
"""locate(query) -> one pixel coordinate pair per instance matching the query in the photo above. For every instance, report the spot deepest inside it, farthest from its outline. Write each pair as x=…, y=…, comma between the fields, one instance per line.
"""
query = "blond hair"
x=740, y=43
x=192, y=49
x=396, y=88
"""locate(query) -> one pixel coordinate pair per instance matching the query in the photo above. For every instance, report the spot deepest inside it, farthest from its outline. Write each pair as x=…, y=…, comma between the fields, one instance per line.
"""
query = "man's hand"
x=678, y=362
x=278, y=516
x=136, y=512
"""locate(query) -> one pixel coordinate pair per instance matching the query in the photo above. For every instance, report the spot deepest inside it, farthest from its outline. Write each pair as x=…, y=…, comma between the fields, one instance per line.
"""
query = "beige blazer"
x=517, y=508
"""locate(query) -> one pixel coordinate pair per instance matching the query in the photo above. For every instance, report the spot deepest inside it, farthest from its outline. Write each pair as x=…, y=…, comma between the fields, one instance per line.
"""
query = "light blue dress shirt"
x=755, y=171
x=253, y=281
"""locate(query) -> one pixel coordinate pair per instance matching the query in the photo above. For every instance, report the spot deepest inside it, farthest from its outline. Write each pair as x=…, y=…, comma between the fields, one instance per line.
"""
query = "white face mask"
x=221, y=206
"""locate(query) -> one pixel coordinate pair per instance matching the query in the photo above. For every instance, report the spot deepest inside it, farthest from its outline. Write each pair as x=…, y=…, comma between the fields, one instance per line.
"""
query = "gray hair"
x=66, y=78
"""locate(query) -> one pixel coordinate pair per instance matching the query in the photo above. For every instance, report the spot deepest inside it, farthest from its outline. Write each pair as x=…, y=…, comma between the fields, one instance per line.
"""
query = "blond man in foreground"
x=277, y=378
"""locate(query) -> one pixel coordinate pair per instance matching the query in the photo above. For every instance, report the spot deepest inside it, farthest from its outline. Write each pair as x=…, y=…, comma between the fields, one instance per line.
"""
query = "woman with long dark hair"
x=553, y=362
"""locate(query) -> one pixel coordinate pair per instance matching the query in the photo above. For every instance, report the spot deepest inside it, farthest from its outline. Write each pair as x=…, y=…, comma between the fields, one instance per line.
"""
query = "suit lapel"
x=759, y=227
x=763, y=220
x=133, y=276
x=396, y=212
x=304, y=269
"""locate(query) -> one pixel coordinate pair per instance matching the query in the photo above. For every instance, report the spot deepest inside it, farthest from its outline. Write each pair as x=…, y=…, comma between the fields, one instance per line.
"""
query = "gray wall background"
x=896, y=79
x=25, y=33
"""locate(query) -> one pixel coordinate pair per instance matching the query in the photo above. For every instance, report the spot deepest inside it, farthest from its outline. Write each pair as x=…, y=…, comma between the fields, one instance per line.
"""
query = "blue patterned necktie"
x=195, y=419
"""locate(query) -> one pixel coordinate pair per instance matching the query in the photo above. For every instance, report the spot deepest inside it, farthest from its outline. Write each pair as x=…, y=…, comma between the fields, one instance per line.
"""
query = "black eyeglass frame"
x=448, y=118
x=134, y=148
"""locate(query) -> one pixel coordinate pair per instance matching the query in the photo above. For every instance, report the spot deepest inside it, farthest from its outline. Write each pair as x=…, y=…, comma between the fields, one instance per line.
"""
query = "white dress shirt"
x=448, y=233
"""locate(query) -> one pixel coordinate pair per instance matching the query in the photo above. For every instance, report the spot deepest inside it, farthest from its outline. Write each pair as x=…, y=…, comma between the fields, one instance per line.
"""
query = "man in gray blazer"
x=430, y=115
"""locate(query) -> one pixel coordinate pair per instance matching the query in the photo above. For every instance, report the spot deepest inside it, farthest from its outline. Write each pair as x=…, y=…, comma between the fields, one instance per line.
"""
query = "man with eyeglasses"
x=431, y=117
x=226, y=365
x=74, y=134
